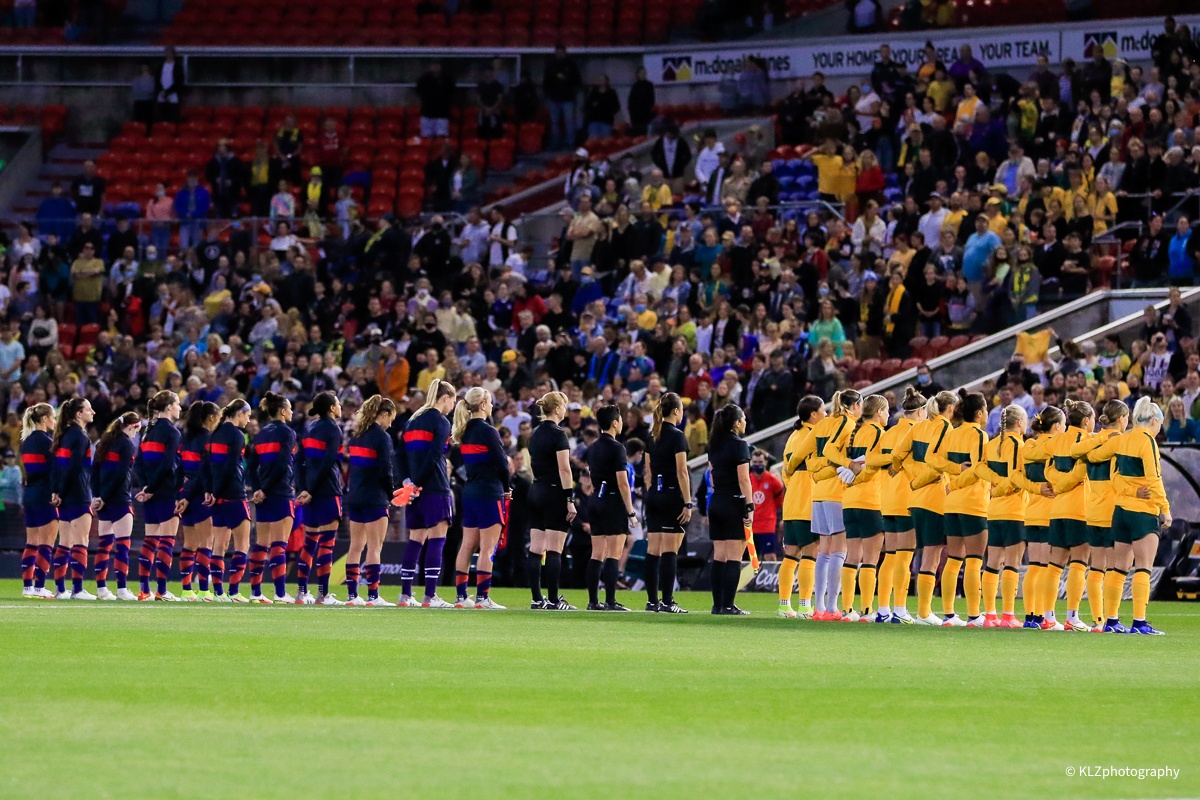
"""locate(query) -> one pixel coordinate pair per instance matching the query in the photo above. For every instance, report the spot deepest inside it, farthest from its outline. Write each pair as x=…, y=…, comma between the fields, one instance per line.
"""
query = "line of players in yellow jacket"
x=1083, y=494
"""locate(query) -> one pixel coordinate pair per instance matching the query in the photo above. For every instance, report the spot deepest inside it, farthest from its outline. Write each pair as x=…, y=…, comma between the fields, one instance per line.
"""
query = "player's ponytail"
x=438, y=389
x=322, y=404
x=375, y=407
x=1146, y=412
x=1013, y=418
x=871, y=407
x=1077, y=411
x=913, y=400
x=1111, y=413
x=159, y=403
x=667, y=405
x=973, y=404
x=198, y=415
x=67, y=415
x=471, y=403
x=35, y=415
x=114, y=429
x=234, y=408
x=942, y=402
x=809, y=404
x=843, y=400
x=551, y=402
x=272, y=405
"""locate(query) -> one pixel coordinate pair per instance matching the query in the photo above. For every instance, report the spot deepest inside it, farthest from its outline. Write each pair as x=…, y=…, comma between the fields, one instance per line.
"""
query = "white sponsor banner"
x=1127, y=39
x=848, y=58
x=995, y=47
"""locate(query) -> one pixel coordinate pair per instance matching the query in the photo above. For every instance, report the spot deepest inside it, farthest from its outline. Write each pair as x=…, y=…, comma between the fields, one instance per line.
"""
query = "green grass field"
x=183, y=701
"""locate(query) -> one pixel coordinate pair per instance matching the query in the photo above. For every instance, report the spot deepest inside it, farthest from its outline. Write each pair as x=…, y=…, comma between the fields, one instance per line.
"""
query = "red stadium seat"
x=80, y=353
x=957, y=342
x=66, y=333
x=939, y=345
x=88, y=334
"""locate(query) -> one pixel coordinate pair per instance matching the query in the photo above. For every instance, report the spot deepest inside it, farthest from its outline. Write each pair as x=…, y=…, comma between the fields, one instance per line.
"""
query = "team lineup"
x=1083, y=494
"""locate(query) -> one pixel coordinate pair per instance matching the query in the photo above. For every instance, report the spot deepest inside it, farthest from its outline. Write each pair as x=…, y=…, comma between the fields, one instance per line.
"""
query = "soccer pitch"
x=103, y=700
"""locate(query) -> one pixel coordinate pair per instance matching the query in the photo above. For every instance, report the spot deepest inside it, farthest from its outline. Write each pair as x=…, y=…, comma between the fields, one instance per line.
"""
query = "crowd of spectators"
x=970, y=200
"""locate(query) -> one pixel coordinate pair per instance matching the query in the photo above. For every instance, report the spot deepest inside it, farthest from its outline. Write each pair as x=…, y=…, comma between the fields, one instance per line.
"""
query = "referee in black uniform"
x=668, y=507
x=551, y=508
x=611, y=510
x=730, y=509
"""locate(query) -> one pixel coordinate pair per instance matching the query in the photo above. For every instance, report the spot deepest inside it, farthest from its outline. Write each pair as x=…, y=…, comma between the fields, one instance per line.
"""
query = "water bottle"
x=660, y=483
x=603, y=486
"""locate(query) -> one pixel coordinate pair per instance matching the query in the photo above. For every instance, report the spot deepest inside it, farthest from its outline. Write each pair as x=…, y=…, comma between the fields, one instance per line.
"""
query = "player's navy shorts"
x=366, y=514
x=195, y=513
x=322, y=511
x=114, y=513
x=230, y=513
x=274, y=509
x=37, y=516
x=73, y=512
x=427, y=510
x=156, y=512
x=481, y=513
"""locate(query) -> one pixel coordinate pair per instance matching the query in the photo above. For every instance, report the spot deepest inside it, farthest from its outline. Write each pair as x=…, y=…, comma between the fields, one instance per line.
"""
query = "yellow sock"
x=950, y=584
x=866, y=586
x=991, y=582
x=887, y=579
x=1141, y=593
x=808, y=579
x=1031, y=593
x=1008, y=589
x=972, y=585
x=902, y=578
x=1076, y=581
x=1114, y=587
x=1095, y=595
x=926, y=581
x=787, y=576
x=848, y=575
x=1051, y=581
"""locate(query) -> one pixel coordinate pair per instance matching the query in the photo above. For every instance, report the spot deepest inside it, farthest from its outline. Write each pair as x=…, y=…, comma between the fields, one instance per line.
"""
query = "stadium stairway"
x=63, y=163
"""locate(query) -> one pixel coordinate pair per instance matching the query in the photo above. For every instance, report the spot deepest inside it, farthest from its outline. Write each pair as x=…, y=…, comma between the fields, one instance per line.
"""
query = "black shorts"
x=608, y=518
x=726, y=513
x=663, y=510
x=547, y=508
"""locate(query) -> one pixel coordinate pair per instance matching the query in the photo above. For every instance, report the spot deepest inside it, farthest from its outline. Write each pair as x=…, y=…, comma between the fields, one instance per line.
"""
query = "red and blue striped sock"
x=62, y=555
x=258, y=563
x=483, y=583
x=461, y=579
x=279, y=567
x=324, y=560
x=304, y=561
x=146, y=561
x=45, y=553
x=187, y=565
x=28, y=565
x=78, y=566
x=216, y=572
x=371, y=573
x=164, y=556
x=433, y=564
x=408, y=566
x=203, y=565
x=103, y=557
x=121, y=562
x=237, y=571
x=352, y=571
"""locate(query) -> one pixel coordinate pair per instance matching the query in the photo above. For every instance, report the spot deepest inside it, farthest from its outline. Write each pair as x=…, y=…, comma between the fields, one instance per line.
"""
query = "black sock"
x=650, y=576
x=535, y=576
x=718, y=584
x=733, y=576
x=594, y=568
x=553, y=571
x=612, y=571
x=667, y=576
